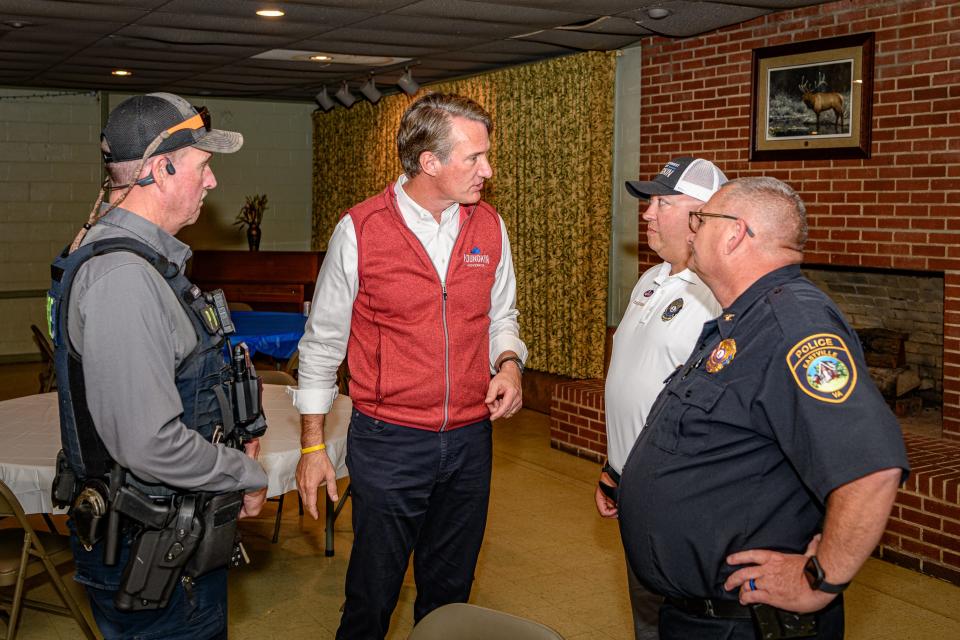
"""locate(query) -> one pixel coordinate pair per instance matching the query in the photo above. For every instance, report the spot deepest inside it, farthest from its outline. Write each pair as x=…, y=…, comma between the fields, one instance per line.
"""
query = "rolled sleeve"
x=312, y=400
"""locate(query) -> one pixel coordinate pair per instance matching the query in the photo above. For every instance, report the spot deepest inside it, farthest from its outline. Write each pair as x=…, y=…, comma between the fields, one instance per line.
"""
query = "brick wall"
x=923, y=532
x=898, y=209
x=577, y=423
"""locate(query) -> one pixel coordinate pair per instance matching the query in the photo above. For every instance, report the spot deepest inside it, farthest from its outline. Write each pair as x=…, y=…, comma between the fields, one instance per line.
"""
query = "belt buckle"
x=708, y=605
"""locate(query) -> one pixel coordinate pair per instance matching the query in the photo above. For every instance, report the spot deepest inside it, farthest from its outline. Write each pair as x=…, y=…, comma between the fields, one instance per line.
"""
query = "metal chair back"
x=25, y=552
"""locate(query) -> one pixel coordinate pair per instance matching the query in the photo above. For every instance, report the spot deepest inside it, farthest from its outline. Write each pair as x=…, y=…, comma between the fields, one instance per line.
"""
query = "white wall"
x=50, y=174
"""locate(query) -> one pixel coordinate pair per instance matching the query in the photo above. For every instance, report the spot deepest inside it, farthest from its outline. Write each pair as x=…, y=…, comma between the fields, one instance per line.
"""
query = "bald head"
x=750, y=227
x=773, y=209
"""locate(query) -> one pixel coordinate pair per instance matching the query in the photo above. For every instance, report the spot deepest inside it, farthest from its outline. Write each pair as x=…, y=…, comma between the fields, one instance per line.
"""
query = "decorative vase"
x=253, y=237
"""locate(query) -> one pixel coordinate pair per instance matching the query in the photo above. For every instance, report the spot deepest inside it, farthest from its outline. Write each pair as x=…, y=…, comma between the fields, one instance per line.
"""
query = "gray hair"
x=783, y=211
x=425, y=126
x=125, y=172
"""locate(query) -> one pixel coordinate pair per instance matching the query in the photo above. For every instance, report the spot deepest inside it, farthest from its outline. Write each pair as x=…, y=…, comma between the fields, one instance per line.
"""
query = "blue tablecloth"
x=271, y=332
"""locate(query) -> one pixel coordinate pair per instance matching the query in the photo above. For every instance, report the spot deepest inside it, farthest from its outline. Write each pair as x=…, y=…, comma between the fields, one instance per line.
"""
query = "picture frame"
x=812, y=100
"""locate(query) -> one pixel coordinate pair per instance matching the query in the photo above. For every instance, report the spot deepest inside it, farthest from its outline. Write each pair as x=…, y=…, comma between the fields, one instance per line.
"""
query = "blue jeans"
x=418, y=491
x=200, y=614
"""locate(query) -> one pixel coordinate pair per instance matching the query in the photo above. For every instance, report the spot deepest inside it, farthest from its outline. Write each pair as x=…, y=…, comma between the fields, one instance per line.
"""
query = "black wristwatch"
x=814, y=574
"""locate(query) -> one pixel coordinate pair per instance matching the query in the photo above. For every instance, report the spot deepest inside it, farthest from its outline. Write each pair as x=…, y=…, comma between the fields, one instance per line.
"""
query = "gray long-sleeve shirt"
x=132, y=333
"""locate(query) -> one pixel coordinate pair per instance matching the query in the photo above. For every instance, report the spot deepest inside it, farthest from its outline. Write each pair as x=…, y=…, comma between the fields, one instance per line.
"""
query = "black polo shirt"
x=773, y=410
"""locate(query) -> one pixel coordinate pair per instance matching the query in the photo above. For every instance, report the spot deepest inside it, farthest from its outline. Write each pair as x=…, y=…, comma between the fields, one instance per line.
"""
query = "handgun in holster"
x=777, y=624
x=169, y=536
x=196, y=534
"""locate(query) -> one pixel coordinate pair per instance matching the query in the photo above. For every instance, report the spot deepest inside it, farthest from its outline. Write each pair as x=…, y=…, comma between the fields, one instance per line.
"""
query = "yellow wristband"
x=316, y=447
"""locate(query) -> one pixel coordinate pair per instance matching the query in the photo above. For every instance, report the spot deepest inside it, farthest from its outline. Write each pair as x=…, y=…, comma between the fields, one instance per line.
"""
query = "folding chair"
x=25, y=553
x=470, y=622
x=48, y=375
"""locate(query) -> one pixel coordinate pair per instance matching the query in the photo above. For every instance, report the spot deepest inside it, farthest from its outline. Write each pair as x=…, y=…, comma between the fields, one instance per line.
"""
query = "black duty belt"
x=711, y=608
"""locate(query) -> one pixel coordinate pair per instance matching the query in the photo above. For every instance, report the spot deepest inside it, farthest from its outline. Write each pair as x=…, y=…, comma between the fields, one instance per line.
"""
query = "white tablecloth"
x=30, y=439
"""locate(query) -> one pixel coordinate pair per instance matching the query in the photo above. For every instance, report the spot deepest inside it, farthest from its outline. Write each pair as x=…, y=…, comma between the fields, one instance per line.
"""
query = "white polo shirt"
x=656, y=335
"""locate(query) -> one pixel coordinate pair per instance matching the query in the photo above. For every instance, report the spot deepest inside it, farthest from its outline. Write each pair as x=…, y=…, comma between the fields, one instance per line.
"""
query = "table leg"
x=50, y=523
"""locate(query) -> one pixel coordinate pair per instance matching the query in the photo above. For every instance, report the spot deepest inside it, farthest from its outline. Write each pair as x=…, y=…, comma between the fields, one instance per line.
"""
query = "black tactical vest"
x=200, y=378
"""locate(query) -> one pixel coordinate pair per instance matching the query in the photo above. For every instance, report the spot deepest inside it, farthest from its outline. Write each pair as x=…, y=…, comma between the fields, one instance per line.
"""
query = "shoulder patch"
x=823, y=368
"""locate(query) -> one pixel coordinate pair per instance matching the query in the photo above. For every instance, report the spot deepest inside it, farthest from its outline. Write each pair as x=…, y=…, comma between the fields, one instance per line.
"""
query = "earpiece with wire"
x=149, y=179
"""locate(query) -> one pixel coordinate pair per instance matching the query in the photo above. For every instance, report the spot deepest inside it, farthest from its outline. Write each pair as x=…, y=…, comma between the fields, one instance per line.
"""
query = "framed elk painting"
x=812, y=100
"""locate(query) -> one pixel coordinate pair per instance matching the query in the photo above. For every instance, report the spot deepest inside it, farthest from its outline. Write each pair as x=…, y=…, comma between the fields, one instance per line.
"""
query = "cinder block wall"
x=49, y=172
x=50, y=175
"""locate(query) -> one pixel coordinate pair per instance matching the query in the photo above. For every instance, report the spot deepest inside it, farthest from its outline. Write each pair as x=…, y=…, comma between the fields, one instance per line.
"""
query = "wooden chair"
x=25, y=552
x=48, y=374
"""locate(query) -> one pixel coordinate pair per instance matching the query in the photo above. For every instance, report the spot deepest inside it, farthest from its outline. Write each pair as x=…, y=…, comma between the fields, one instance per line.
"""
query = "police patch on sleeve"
x=823, y=368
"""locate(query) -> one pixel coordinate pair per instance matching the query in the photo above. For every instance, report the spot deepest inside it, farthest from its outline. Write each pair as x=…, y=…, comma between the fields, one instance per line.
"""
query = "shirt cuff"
x=310, y=401
x=500, y=344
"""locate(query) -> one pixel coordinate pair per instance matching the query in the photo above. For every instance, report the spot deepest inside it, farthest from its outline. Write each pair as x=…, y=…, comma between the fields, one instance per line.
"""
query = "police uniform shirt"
x=658, y=330
x=773, y=410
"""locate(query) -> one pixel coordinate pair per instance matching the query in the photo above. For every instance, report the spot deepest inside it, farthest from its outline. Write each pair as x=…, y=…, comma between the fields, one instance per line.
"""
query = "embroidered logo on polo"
x=672, y=310
x=721, y=356
x=476, y=258
x=823, y=368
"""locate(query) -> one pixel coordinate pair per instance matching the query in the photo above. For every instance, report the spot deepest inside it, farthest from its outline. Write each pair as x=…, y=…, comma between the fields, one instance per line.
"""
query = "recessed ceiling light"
x=658, y=13
x=321, y=58
x=270, y=13
x=121, y=72
x=17, y=24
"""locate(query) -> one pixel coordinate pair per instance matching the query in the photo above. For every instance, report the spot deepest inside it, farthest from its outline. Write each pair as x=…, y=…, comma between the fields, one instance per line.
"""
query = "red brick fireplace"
x=897, y=210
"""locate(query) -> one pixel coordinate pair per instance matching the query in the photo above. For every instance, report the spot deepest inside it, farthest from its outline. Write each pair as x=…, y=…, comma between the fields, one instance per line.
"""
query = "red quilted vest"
x=418, y=352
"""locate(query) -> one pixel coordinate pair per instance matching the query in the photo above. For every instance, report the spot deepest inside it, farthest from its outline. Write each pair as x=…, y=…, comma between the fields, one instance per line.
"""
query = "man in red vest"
x=418, y=288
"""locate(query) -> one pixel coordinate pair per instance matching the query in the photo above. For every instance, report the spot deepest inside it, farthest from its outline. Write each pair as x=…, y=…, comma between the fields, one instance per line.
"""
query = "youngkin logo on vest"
x=475, y=258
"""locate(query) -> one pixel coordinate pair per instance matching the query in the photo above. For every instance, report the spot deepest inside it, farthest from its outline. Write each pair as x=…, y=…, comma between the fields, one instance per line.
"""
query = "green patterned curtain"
x=552, y=151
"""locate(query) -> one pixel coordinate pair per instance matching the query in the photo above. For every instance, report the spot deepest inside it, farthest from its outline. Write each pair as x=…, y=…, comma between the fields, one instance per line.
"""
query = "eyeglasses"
x=695, y=219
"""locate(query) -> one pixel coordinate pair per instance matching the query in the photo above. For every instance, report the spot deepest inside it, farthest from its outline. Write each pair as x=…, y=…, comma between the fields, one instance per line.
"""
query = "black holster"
x=777, y=624
x=197, y=536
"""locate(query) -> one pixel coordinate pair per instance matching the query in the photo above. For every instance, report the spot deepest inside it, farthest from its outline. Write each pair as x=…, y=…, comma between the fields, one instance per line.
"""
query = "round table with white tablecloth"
x=30, y=440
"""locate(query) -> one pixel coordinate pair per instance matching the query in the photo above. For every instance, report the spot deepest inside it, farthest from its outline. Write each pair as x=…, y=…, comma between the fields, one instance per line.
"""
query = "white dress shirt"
x=653, y=339
x=324, y=343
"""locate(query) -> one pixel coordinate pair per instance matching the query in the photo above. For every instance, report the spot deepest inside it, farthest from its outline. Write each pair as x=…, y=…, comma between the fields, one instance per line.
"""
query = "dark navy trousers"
x=414, y=491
